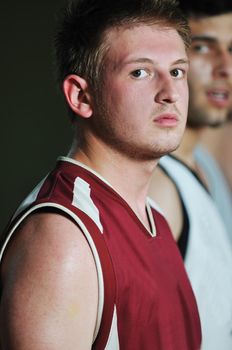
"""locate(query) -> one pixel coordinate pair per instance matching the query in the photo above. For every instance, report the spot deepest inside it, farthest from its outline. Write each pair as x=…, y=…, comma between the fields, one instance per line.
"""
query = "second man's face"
x=210, y=75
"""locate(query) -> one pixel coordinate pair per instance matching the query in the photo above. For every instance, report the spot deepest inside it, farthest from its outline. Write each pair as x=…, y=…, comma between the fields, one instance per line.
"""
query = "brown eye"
x=200, y=48
x=139, y=73
x=177, y=73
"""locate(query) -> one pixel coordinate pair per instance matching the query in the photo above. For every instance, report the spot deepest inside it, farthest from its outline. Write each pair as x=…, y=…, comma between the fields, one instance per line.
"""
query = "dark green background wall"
x=34, y=127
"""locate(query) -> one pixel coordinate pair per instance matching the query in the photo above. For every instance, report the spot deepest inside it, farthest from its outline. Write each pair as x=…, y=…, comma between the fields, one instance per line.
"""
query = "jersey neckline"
x=152, y=231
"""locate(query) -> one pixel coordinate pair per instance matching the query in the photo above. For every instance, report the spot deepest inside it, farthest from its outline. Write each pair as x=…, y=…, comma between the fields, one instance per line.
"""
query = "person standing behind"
x=86, y=263
x=179, y=186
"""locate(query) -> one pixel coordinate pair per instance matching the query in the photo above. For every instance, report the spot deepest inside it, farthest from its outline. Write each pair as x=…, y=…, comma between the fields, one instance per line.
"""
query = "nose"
x=167, y=93
x=223, y=66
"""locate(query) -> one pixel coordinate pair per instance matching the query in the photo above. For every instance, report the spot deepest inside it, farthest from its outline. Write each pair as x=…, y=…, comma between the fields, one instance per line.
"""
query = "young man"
x=86, y=263
x=179, y=186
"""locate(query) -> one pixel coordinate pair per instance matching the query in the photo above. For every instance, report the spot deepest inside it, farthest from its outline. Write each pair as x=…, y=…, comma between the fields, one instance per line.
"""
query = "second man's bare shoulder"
x=163, y=191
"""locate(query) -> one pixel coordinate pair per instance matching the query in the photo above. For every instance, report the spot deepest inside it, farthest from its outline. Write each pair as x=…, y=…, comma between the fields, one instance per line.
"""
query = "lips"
x=167, y=120
x=219, y=97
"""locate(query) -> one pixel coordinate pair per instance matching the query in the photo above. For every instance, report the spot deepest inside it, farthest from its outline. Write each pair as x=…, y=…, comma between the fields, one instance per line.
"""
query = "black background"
x=35, y=128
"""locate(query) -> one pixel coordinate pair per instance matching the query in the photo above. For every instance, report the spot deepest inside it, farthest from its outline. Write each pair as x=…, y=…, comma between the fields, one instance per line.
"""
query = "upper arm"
x=49, y=294
x=163, y=191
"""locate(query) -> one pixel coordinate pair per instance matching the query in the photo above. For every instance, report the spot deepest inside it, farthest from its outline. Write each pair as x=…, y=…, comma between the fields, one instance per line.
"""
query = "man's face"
x=210, y=74
x=143, y=106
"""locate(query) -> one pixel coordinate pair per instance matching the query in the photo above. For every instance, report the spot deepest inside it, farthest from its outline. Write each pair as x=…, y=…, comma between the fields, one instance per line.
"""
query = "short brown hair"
x=79, y=41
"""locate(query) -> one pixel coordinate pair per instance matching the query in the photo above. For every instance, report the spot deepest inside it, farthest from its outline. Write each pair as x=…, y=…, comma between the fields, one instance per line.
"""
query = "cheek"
x=200, y=71
x=117, y=94
x=113, y=100
x=130, y=101
x=184, y=97
x=186, y=100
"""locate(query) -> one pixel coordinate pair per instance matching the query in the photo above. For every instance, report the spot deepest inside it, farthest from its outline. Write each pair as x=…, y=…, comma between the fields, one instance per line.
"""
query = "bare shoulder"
x=163, y=191
x=49, y=295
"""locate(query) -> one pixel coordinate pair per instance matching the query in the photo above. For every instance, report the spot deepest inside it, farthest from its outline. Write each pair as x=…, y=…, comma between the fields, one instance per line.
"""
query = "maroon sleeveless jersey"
x=145, y=298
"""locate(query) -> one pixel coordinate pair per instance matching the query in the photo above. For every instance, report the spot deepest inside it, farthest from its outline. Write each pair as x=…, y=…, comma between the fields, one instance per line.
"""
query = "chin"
x=216, y=123
x=206, y=122
x=162, y=151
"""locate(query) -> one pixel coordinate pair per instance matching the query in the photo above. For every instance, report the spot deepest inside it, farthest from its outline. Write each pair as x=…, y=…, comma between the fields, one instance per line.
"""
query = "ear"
x=77, y=95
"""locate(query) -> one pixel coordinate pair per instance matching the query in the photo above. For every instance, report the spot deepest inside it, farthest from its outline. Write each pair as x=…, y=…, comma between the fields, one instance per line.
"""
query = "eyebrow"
x=206, y=38
x=182, y=61
x=150, y=61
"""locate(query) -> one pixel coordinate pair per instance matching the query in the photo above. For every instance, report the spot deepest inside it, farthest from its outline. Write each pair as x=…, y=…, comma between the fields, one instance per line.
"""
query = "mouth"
x=167, y=120
x=219, y=97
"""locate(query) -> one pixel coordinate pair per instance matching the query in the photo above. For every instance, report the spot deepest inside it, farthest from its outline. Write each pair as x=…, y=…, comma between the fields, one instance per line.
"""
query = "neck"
x=130, y=178
x=212, y=138
x=218, y=142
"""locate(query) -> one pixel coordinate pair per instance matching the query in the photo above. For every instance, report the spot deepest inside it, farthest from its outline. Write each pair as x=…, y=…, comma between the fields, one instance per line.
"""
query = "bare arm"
x=50, y=294
x=164, y=193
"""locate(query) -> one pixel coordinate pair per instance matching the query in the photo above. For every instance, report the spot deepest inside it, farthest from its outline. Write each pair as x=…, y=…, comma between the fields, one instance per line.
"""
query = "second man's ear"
x=77, y=96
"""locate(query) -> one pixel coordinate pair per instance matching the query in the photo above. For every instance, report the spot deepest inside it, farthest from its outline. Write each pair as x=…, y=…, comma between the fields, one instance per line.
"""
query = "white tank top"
x=218, y=186
x=208, y=257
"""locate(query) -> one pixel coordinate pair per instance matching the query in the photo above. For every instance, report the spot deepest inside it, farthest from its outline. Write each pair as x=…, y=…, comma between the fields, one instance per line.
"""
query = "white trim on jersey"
x=113, y=341
x=152, y=232
x=82, y=165
x=151, y=219
x=83, y=201
x=29, y=199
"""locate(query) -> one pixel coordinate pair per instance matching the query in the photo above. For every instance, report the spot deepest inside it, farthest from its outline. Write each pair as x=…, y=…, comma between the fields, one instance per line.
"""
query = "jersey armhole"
x=104, y=266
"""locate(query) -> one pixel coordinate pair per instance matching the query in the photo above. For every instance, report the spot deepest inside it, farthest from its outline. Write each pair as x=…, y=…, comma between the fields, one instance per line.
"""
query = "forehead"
x=218, y=27
x=148, y=41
